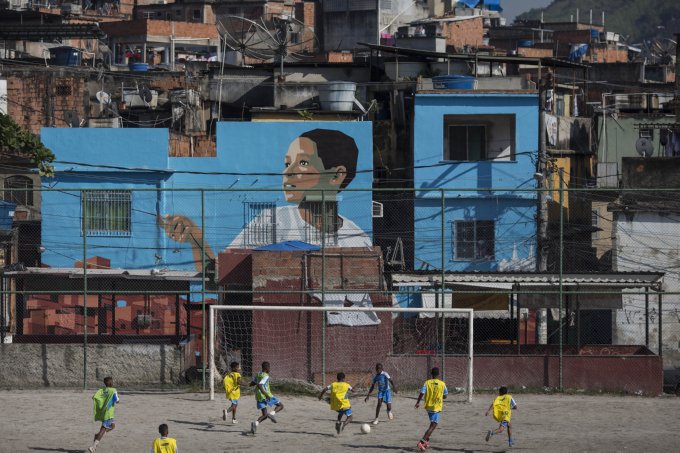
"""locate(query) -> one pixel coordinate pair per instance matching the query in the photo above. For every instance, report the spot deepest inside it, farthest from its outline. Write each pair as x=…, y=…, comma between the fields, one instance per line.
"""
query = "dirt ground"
x=61, y=421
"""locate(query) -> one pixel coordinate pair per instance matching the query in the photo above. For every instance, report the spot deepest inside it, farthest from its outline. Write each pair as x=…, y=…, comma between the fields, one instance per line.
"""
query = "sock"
x=273, y=412
x=256, y=423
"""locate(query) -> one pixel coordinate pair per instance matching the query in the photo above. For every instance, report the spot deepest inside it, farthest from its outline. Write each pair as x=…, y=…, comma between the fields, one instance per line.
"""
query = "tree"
x=18, y=142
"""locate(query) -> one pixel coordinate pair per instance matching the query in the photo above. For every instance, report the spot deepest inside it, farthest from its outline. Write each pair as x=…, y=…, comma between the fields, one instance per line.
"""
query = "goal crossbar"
x=214, y=308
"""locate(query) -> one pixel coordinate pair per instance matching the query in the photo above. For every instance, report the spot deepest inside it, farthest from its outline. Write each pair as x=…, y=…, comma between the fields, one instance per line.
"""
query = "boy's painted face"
x=305, y=170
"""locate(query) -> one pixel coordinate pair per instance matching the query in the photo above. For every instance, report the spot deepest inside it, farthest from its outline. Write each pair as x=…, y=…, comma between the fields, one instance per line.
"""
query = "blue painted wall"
x=250, y=160
x=513, y=212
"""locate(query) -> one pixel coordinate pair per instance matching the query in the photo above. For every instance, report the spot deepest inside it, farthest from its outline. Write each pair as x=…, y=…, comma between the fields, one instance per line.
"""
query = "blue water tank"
x=525, y=43
x=6, y=214
x=65, y=56
x=453, y=82
x=594, y=34
x=139, y=67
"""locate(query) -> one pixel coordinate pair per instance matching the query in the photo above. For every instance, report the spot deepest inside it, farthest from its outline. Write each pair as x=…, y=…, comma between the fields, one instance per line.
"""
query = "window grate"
x=260, y=223
x=474, y=240
x=106, y=213
x=314, y=232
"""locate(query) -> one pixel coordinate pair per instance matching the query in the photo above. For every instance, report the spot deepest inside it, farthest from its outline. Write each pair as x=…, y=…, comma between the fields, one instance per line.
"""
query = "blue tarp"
x=469, y=3
x=289, y=246
x=493, y=5
x=578, y=51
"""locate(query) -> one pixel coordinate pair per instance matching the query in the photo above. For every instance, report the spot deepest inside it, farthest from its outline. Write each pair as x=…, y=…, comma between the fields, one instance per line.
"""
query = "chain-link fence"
x=571, y=288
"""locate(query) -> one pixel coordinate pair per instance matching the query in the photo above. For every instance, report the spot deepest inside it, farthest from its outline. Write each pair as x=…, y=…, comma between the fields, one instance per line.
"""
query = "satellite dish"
x=103, y=97
x=644, y=147
x=145, y=94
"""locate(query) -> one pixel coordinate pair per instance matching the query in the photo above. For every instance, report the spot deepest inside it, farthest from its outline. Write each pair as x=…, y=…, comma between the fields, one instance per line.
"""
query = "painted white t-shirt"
x=290, y=226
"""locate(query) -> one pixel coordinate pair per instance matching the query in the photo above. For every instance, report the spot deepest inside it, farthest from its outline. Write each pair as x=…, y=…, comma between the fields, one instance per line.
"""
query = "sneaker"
x=390, y=415
x=511, y=443
x=338, y=427
x=234, y=421
x=375, y=422
x=253, y=427
x=421, y=445
x=271, y=417
x=427, y=443
x=224, y=415
x=488, y=435
x=91, y=449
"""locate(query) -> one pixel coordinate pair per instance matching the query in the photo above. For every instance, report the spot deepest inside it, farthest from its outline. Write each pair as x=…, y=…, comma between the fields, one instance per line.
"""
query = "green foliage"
x=15, y=140
x=635, y=19
x=306, y=115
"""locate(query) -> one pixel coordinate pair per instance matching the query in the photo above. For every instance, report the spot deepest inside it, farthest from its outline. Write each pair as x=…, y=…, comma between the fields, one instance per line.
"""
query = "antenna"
x=644, y=147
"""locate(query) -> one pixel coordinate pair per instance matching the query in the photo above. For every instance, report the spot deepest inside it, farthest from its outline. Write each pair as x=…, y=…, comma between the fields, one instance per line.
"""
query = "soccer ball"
x=365, y=428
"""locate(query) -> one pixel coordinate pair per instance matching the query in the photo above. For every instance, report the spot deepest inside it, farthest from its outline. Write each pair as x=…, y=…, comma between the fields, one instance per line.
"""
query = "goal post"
x=312, y=343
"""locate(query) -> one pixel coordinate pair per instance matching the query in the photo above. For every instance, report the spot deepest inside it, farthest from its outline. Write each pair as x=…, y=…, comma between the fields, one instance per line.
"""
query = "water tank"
x=337, y=96
x=6, y=214
x=65, y=56
x=138, y=67
x=454, y=82
x=525, y=43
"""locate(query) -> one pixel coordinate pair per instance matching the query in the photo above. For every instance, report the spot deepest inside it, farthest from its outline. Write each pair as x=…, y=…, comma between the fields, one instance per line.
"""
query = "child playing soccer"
x=340, y=401
x=502, y=408
x=264, y=398
x=435, y=393
x=105, y=400
x=385, y=387
x=232, y=388
x=164, y=444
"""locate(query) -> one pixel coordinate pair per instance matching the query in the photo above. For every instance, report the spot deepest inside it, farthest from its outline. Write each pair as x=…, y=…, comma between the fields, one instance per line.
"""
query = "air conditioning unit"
x=143, y=321
x=71, y=9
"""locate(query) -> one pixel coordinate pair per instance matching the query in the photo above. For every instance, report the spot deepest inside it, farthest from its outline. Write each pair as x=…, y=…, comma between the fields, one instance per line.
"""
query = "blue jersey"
x=383, y=381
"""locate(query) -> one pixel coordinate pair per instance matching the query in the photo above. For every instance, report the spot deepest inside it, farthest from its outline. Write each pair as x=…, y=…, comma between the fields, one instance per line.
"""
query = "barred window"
x=474, y=240
x=107, y=212
x=314, y=232
x=20, y=197
x=259, y=219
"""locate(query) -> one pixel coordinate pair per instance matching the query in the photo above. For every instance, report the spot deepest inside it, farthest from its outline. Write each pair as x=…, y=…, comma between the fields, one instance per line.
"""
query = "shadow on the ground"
x=59, y=450
x=305, y=432
x=186, y=422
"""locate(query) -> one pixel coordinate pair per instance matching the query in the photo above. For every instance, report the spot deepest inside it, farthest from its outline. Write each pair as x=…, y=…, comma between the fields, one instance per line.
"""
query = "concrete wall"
x=647, y=241
x=61, y=365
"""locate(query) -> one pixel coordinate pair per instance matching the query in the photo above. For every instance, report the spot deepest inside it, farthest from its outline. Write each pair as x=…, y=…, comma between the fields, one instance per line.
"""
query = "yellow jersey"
x=232, y=385
x=502, y=408
x=434, y=391
x=339, y=395
x=165, y=445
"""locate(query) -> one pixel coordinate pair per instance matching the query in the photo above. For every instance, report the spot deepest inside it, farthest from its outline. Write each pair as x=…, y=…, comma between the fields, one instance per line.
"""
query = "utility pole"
x=542, y=177
x=676, y=101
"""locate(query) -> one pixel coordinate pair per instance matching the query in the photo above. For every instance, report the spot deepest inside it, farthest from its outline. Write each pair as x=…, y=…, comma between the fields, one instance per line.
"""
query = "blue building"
x=466, y=141
x=113, y=191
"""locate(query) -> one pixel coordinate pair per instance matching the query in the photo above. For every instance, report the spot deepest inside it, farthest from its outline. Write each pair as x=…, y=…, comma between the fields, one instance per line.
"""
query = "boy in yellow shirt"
x=164, y=444
x=502, y=408
x=232, y=388
x=105, y=400
x=435, y=392
x=340, y=401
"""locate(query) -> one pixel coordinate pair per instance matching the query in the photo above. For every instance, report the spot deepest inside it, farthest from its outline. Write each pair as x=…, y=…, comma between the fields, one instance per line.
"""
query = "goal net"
x=311, y=344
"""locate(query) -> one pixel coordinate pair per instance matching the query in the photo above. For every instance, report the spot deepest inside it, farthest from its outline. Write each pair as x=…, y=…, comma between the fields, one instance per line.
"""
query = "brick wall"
x=37, y=98
x=464, y=32
x=159, y=28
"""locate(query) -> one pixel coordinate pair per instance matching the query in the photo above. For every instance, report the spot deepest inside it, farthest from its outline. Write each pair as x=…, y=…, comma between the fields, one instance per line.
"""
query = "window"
x=197, y=14
x=474, y=240
x=20, y=197
x=107, y=212
x=260, y=223
x=313, y=234
x=377, y=210
x=474, y=138
x=595, y=220
x=467, y=142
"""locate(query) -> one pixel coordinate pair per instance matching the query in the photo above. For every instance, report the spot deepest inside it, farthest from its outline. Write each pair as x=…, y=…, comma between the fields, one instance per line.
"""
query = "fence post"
x=323, y=288
x=647, y=316
x=660, y=328
x=561, y=346
x=203, y=342
x=443, y=264
x=84, y=228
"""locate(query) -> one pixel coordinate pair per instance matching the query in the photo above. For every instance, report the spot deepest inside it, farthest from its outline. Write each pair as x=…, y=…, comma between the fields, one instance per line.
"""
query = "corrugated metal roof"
x=507, y=280
x=132, y=274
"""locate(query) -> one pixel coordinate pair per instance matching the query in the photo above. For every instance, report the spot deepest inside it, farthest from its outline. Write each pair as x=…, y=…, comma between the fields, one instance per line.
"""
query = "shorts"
x=108, y=424
x=434, y=416
x=505, y=423
x=385, y=395
x=346, y=412
x=233, y=402
x=273, y=401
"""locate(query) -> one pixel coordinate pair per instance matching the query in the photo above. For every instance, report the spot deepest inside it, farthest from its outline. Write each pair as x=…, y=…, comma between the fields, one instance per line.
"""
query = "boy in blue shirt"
x=385, y=387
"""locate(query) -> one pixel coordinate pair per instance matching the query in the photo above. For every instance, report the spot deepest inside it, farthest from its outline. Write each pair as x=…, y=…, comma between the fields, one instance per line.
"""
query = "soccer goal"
x=310, y=344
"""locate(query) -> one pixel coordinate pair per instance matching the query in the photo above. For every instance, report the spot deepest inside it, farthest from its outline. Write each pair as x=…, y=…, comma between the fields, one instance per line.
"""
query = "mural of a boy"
x=317, y=160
